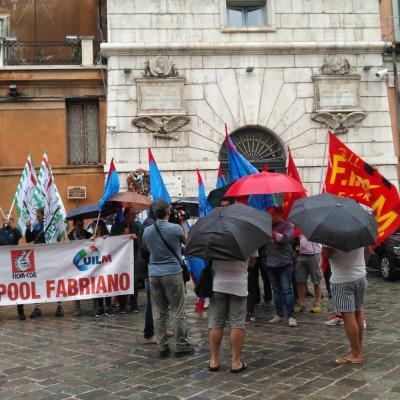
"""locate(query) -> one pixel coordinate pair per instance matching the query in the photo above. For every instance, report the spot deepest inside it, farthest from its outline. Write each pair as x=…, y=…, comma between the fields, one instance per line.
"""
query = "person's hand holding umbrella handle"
x=182, y=223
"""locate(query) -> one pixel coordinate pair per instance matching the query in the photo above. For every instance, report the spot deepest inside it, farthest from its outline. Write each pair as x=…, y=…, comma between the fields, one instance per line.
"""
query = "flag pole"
x=2, y=213
x=97, y=224
x=323, y=168
x=11, y=208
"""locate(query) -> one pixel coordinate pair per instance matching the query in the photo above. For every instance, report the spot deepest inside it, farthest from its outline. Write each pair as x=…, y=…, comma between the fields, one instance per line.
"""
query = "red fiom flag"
x=350, y=176
x=290, y=198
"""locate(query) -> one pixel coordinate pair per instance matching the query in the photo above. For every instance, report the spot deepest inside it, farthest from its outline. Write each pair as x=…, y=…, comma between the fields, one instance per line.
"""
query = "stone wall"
x=278, y=94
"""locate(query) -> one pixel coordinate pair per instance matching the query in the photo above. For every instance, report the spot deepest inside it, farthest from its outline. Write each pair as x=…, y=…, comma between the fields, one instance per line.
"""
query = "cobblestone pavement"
x=103, y=358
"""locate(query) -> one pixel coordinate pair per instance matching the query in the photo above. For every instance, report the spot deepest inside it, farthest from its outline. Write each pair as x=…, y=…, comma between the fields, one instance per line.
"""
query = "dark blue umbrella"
x=92, y=211
x=335, y=221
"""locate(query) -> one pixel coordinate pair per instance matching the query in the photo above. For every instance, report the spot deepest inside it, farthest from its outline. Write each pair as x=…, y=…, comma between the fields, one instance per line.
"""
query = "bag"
x=185, y=269
x=204, y=286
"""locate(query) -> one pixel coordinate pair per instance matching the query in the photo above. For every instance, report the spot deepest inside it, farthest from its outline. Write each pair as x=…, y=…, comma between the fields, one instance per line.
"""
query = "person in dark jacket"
x=10, y=236
x=278, y=260
x=78, y=233
x=36, y=234
x=128, y=226
x=142, y=270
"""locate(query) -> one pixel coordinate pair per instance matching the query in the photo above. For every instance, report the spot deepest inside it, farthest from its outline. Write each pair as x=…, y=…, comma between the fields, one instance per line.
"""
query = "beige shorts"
x=227, y=307
x=309, y=265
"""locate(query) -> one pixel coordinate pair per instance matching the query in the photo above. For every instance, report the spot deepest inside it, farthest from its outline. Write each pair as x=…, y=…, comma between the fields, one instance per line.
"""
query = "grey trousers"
x=168, y=294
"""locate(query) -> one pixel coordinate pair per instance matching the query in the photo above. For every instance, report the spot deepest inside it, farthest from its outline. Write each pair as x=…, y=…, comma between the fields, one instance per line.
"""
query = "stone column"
x=87, y=50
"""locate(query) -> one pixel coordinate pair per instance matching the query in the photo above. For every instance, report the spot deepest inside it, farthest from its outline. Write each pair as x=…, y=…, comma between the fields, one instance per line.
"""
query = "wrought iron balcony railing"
x=14, y=52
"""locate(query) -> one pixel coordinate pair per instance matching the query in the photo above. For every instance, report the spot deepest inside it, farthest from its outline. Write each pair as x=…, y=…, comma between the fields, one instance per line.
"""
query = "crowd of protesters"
x=285, y=263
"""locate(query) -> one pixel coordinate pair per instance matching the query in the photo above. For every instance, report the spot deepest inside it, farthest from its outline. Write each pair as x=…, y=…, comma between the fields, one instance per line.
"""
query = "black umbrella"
x=338, y=222
x=92, y=210
x=189, y=204
x=229, y=233
x=216, y=195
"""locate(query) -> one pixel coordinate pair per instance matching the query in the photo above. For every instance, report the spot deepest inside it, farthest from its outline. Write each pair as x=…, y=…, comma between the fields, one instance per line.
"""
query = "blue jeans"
x=281, y=282
x=148, y=316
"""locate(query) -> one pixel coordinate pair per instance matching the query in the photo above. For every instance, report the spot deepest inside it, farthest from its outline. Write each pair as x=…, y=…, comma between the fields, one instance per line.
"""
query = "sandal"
x=242, y=368
x=346, y=360
x=212, y=369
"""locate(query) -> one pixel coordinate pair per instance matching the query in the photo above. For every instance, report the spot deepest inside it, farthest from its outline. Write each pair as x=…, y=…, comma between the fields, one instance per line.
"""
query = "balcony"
x=76, y=51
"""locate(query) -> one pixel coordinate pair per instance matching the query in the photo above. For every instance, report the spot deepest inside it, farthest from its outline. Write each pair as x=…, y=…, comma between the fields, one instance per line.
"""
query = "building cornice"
x=118, y=49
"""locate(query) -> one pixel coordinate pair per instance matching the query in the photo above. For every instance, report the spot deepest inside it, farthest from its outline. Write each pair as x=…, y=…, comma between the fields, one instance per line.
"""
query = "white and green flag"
x=25, y=202
x=47, y=196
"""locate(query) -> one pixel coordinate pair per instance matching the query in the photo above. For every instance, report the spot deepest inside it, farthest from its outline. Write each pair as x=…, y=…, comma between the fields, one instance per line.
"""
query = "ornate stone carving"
x=164, y=127
x=337, y=95
x=335, y=65
x=339, y=122
x=160, y=67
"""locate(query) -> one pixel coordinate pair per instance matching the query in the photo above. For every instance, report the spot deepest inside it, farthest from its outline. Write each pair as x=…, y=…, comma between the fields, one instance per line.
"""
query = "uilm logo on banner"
x=90, y=257
x=23, y=264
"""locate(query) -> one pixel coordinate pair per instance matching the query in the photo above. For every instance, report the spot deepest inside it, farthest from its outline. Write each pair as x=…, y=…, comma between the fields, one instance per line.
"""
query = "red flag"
x=350, y=176
x=290, y=198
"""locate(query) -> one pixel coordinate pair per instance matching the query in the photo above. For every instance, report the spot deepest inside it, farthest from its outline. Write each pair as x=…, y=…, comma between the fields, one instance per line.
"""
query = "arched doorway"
x=259, y=146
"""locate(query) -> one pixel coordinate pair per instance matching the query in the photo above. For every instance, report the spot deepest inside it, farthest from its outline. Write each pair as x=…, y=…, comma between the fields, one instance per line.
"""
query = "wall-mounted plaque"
x=76, y=192
x=161, y=96
x=174, y=185
x=337, y=93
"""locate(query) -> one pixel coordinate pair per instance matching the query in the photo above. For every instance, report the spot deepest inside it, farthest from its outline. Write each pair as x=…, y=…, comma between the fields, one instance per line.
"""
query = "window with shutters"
x=83, y=132
x=247, y=15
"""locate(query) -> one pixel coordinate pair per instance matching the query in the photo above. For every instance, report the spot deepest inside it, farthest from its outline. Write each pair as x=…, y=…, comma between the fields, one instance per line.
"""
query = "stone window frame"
x=269, y=27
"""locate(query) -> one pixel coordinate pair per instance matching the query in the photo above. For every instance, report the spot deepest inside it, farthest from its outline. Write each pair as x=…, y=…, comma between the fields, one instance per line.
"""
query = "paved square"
x=104, y=359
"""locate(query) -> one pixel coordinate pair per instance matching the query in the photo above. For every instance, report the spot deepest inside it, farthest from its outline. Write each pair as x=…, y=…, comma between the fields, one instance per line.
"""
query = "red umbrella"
x=264, y=183
x=132, y=199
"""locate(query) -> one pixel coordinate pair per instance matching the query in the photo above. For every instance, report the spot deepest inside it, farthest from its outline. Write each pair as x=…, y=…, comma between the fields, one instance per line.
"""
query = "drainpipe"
x=396, y=87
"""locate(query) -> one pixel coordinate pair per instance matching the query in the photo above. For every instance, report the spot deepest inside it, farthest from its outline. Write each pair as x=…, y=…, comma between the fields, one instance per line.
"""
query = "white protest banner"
x=75, y=270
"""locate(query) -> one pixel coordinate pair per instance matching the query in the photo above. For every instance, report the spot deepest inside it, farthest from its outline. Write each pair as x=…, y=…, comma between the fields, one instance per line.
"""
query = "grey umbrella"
x=229, y=233
x=336, y=221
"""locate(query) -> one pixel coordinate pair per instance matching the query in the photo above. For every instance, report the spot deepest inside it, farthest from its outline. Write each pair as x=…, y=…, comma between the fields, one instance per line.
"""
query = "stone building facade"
x=266, y=68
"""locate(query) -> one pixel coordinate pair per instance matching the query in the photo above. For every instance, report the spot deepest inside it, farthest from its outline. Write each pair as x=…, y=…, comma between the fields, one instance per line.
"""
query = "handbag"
x=185, y=269
x=204, y=286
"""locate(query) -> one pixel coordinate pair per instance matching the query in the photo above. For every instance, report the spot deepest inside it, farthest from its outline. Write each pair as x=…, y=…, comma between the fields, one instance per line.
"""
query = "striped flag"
x=25, y=203
x=48, y=197
x=204, y=206
x=111, y=185
x=158, y=189
x=221, y=181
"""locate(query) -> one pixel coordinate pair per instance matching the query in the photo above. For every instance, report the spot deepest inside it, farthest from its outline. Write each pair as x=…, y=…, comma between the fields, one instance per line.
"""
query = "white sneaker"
x=206, y=302
x=335, y=320
x=276, y=319
x=151, y=340
x=292, y=322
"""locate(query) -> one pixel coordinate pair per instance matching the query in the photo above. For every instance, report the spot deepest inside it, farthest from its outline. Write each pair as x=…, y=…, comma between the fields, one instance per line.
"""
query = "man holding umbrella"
x=230, y=237
x=348, y=286
x=346, y=229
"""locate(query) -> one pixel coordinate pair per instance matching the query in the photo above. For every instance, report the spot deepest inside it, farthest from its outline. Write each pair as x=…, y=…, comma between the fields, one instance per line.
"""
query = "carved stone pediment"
x=162, y=127
x=339, y=122
x=335, y=65
x=160, y=67
x=337, y=95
